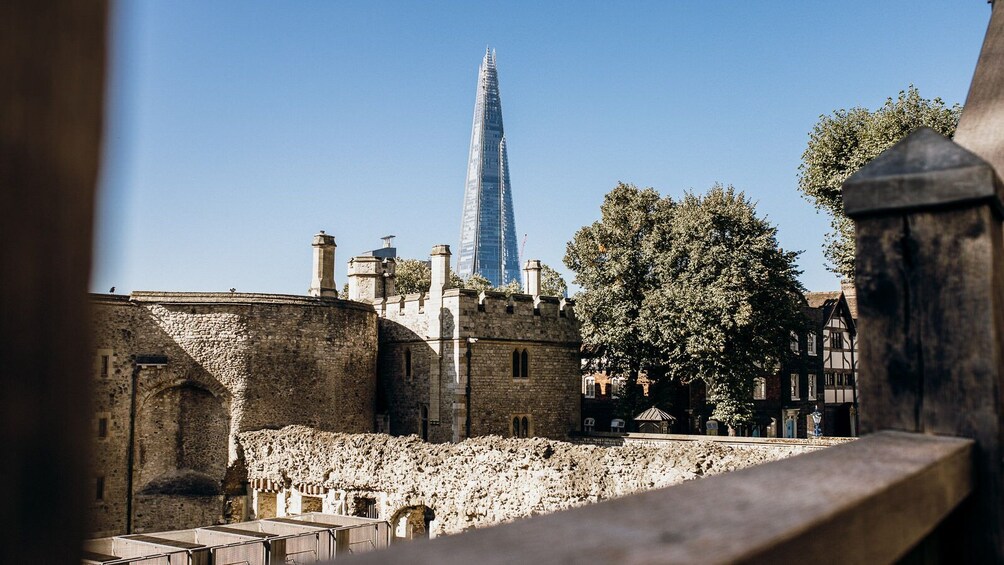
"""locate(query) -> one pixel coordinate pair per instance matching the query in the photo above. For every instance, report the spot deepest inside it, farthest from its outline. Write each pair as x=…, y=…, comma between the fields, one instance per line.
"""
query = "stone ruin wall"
x=233, y=363
x=481, y=481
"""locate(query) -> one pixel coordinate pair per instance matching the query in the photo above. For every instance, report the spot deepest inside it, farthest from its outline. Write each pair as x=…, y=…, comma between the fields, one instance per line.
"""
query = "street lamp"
x=817, y=417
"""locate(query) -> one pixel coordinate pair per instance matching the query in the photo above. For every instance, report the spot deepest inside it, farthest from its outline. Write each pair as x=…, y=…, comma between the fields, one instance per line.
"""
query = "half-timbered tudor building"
x=839, y=339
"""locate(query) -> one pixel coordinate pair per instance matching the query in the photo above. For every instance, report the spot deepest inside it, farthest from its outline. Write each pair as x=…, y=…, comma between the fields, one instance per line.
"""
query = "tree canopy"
x=551, y=282
x=690, y=290
x=846, y=140
x=415, y=275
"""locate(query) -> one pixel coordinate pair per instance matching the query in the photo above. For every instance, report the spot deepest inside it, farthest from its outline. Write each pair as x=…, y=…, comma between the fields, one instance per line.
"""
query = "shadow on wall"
x=405, y=360
x=182, y=431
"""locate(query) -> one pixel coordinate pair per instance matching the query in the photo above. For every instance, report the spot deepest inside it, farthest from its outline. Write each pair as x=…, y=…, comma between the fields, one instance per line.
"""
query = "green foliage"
x=689, y=290
x=477, y=282
x=843, y=142
x=412, y=275
x=551, y=282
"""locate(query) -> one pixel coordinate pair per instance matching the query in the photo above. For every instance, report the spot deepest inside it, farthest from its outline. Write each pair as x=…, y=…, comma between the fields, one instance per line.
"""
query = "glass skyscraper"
x=488, y=231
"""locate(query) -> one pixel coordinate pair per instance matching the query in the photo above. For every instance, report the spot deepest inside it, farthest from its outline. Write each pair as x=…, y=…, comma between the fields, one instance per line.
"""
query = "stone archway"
x=412, y=522
x=182, y=435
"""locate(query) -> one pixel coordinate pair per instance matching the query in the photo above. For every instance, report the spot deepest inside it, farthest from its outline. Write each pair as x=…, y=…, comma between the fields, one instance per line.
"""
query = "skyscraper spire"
x=488, y=232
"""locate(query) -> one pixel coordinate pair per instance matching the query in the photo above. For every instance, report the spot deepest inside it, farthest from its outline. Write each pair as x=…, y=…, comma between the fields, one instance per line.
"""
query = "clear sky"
x=237, y=130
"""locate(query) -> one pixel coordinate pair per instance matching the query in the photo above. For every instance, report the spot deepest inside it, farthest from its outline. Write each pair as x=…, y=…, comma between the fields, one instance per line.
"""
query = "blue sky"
x=237, y=130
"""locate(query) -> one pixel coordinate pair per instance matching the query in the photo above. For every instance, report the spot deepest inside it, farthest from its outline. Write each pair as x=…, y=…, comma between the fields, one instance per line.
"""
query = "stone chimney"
x=323, y=282
x=440, y=257
x=531, y=277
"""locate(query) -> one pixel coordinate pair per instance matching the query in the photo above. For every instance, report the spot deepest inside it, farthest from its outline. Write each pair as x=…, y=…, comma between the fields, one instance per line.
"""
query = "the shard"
x=488, y=233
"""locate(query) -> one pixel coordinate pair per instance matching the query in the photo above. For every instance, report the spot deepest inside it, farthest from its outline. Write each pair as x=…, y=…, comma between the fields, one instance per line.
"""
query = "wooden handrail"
x=868, y=501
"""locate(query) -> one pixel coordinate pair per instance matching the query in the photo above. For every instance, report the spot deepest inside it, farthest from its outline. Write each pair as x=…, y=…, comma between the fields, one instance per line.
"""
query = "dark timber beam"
x=52, y=62
x=929, y=268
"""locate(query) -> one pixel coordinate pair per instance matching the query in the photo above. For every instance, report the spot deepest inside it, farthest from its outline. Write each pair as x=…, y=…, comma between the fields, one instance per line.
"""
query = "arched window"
x=759, y=388
x=525, y=430
x=407, y=363
x=515, y=427
x=589, y=387
x=515, y=364
x=524, y=365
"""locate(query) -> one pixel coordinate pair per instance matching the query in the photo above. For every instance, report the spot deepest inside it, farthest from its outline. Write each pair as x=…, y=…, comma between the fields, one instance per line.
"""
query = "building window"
x=617, y=425
x=759, y=388
x=830, y=379
x=811, y=392
x=588, y=424
x=811, y=345
x=794, y=386
x=794, y=342
x=521, y=425
x=616, y=387
x=520, y=364
x=589, y=387
x=99, y=488
x=102, y=427
x=103, y=363
x=407, y=363
x=836, y=340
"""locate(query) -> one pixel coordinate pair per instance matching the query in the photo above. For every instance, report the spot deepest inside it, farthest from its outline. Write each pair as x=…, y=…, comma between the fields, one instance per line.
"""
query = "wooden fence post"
x=929, y=279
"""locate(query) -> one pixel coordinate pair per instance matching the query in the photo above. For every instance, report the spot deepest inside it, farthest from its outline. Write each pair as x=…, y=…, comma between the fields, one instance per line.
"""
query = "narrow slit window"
x=524, y=365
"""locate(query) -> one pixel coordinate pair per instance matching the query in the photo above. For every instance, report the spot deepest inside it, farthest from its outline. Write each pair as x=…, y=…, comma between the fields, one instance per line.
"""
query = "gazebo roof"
x=653, y=414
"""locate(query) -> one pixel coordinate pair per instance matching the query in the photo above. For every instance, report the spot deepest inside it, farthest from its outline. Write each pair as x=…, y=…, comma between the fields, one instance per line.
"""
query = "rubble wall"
x=481, y=481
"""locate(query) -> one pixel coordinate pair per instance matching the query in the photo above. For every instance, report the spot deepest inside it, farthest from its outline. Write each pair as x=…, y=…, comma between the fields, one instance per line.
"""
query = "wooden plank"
x=868, y=501
x=52, y=61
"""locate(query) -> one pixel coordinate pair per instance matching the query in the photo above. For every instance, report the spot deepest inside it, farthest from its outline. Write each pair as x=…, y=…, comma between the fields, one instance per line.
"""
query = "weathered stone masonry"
x=480, y=481
x=424, y=362
x=207, y=366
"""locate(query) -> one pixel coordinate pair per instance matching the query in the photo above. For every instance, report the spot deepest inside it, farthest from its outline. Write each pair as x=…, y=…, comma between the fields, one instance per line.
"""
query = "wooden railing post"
x=930, y=261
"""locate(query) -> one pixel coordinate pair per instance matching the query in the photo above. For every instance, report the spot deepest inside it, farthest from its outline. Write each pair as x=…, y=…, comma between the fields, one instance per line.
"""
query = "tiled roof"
x=819, y=299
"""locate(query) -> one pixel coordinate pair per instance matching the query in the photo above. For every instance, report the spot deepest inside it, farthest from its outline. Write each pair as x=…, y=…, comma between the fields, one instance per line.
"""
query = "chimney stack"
x=531, y=276
x=440, y=257
x=323, y=282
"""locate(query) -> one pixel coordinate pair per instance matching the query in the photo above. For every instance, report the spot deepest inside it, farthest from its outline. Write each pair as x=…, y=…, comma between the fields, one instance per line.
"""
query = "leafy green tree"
x=726, y=300
x=689, y=290
x=415, y=275
x=612, y=266
x=412, y=275
x=843, y=142
x=477, y=282
x=551, y=282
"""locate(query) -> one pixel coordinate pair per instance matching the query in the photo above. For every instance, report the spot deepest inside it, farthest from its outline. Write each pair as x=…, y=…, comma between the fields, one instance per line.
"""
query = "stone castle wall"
x=480, y=481
x=216, y=365
x=549, y=397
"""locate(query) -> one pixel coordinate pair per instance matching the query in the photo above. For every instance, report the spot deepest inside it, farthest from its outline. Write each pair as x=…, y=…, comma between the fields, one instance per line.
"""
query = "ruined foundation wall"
x=206, y=366
x=481, y=481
